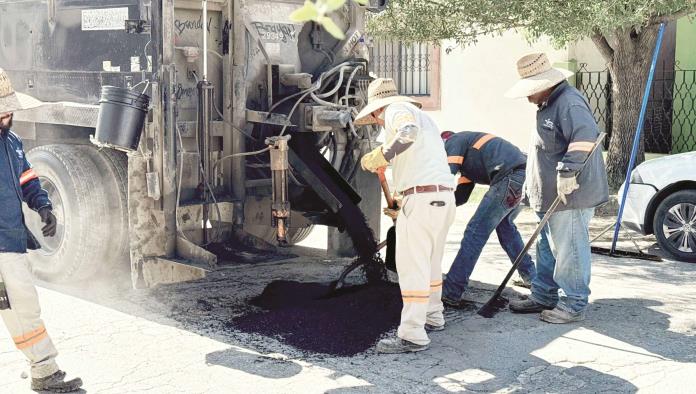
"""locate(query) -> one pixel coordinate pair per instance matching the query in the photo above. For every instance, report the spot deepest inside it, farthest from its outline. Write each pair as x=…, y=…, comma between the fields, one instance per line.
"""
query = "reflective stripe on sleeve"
x=27, y=176
x=463, y=180
x=582, y=146
x=455, y=159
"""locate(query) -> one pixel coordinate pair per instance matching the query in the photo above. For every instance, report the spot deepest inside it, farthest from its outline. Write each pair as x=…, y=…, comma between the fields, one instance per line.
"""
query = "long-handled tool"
x=631, y=162
x=622, y=253
x=497, y=302
x=390, y=259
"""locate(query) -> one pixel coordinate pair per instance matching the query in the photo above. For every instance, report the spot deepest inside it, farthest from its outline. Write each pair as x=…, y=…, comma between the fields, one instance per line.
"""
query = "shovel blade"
x=492, y=307
x=390, y=260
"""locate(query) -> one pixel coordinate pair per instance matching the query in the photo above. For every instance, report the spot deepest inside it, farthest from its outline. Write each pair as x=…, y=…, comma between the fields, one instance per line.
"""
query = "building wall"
x=474, y=79
x=585, y=53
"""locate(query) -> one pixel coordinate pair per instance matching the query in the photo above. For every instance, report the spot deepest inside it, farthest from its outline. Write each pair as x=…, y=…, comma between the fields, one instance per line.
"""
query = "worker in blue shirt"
x=564, y=137
x=19, y=183
x=482, y=158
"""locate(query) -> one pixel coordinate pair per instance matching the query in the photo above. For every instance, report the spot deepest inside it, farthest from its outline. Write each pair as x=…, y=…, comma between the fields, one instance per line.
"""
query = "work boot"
x=527, y=306
x=433, y=328
x=398, y=345
x=56, y=383
x=522, y=282
x=457, y=304
x=559, y=316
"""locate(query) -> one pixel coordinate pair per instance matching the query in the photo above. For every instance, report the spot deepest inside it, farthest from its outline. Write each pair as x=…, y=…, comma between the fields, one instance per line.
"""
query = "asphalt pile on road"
x=301, y=314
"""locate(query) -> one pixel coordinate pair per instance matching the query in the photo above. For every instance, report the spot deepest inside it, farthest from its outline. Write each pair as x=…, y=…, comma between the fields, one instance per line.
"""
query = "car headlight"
x=635, y=177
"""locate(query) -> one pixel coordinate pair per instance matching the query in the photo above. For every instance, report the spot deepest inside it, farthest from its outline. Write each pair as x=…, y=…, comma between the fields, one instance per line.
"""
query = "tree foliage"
x=562, y=20
x=624, y=32
x=318, y=11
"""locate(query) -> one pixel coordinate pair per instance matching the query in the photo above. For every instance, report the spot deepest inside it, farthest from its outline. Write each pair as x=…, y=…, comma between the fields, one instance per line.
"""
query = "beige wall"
x=473, y=81
x=585, y=51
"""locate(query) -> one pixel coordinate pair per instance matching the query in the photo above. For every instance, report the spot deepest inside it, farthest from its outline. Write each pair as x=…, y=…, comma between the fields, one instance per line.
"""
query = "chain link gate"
x=670, y=124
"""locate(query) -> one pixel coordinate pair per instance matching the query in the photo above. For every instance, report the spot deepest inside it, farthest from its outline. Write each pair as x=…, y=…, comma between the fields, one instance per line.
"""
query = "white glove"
x=565, y=186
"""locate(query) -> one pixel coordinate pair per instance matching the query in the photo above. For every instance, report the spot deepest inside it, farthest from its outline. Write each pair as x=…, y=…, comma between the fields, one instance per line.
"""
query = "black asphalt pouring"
x=301, y=314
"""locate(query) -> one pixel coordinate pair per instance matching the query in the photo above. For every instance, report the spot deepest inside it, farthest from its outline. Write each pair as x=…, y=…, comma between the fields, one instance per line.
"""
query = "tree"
x=624, y=31
x=318, y=11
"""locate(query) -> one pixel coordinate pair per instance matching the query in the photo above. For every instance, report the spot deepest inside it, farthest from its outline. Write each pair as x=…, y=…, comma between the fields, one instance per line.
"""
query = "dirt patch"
x=348, y=323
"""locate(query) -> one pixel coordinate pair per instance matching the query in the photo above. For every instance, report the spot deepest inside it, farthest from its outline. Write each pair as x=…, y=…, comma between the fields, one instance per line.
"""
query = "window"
x=414, y=67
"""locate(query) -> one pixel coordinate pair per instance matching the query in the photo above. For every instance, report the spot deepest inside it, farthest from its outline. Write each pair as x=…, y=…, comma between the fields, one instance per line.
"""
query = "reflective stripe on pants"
x=421, y=232
x=23, y=321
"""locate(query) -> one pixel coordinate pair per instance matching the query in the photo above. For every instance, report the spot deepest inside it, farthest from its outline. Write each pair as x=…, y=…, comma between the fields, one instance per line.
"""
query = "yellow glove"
x=374, y=160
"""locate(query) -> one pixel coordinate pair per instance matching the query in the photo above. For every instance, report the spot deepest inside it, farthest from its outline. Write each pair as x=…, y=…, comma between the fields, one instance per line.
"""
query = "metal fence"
x=670, y=122
x=407, y=63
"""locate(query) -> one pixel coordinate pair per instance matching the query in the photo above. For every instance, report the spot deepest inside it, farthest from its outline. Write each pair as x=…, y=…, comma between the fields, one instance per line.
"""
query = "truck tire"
x=113, y=167
x=675, y=225
x=80, y=198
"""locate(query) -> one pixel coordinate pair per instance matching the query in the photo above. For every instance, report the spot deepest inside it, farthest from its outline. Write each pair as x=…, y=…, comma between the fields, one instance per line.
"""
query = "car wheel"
x=675, y=225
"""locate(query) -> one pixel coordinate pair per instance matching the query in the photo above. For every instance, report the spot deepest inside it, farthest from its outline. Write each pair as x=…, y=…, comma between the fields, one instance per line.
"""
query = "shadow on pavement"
x=254, y=364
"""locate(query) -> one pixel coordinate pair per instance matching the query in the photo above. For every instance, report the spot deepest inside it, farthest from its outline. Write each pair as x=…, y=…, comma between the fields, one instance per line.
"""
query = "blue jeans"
x=497, y=210
x=564, y=260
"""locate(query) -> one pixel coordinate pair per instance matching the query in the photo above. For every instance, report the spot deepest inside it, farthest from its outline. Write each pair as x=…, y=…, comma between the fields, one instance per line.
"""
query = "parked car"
x=662, y=201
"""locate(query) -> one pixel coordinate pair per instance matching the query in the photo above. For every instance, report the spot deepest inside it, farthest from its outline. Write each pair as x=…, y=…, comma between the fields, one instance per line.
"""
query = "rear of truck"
x=211, y=172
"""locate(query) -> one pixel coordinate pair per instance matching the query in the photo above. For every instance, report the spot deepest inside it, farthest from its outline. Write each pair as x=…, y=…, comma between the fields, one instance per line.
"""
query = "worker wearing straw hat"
x=564, y=137
x=421, y=175
x=21, y=311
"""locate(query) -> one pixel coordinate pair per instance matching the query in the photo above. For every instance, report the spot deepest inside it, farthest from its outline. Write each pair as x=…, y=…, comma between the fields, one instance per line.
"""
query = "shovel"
x=390, y=260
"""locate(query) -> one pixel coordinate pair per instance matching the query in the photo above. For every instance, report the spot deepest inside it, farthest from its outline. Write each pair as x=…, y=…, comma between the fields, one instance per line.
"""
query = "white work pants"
x=421, y=232
x=23, y=321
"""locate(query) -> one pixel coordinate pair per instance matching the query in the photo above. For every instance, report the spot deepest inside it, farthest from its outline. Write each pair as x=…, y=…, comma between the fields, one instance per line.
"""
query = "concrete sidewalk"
x=640, y=335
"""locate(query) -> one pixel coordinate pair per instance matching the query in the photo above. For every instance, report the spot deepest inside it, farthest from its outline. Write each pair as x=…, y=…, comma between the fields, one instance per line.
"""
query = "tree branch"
x=604, y=47
x=656, y=20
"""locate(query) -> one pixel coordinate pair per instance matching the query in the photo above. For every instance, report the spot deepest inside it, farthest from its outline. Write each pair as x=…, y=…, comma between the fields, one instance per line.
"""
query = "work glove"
x=373, y=160
x=393, y=212
x=565, y=186
x=49, y=230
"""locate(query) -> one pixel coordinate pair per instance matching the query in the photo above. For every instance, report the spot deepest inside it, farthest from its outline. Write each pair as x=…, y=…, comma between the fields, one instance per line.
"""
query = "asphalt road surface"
x=640, y=334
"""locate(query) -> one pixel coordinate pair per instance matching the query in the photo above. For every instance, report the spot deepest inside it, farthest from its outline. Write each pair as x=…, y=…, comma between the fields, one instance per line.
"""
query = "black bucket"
x=121, y=117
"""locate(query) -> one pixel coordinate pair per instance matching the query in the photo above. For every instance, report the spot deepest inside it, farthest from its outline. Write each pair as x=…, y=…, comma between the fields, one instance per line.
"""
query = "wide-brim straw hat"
x=380, y=93
x=536, y=75
x=11, y=101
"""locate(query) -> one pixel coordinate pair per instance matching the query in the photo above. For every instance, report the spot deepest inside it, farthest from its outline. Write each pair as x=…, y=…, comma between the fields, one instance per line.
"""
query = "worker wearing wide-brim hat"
x=19, y=301
x=421, y=175
x=565, y=135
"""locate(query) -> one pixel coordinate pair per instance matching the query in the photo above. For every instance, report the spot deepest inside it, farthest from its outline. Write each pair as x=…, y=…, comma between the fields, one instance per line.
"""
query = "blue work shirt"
x=18, y=182
x=565, y=133
x=480, y=158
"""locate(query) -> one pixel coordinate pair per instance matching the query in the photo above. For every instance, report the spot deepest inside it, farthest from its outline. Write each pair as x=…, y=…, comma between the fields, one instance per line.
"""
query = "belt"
x=426, y=189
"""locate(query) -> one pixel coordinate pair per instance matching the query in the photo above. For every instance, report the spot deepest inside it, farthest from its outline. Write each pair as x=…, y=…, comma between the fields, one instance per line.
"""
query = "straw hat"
x=11, y=101
x=380, y=93
x=536, y=75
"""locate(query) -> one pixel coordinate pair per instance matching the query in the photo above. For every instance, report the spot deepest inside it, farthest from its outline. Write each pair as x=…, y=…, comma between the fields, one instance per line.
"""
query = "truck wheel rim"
x=49, y=245
x=679, y=227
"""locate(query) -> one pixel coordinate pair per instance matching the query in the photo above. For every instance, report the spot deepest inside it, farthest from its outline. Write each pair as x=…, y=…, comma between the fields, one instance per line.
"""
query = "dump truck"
x=179, y=135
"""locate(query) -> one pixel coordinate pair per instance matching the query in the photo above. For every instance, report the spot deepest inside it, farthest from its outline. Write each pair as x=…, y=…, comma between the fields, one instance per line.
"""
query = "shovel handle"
x=385, y=186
